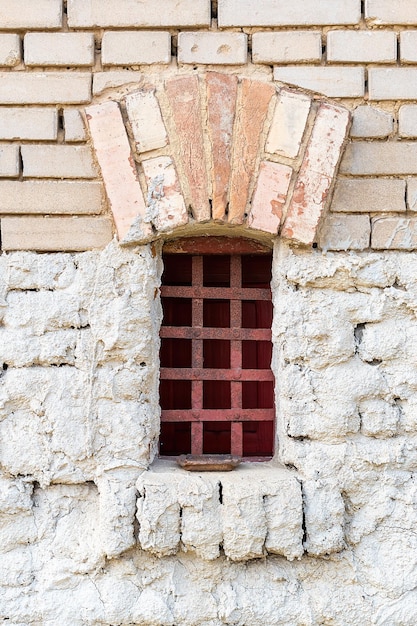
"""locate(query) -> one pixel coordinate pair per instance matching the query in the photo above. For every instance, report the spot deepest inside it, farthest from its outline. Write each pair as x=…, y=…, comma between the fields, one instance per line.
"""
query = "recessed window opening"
x=217, y=387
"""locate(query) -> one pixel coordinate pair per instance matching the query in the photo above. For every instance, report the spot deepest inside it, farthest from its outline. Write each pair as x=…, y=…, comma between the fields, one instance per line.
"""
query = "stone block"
x=117, y=502
x=369, y=121
x=131, y=14
x=269, y=197
x=286, y=47
x=281, y=13
x=32, y=123
x=165, y=204
x=364, y=158
x=369, y=195
x=407, y=120
x=44, y=234
x=135, y=47
x=59, y=49
x=394, y=233
x=45, y=87
x=335, y=82
x=345, y=232
x=212, y=48
x=9, y=50
x=9, y=161
x=51, y=197
x=385, y=12
x=24, y=14
x=146, y=121
x=288, y=124
x=399, y=83
x=360, y=46
x=74, y=127
x=118, y=169
x=324, y=512
x=57, y=161
x=379, y=418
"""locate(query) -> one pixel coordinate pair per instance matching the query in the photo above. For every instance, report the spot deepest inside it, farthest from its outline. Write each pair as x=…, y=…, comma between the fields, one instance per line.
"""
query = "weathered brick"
x=146, y=120
x=165, y=202
x=394, y=233
x=49, y=196
x=115, y=78
x=286, y=47
x=183, y=94
x=360, y=46
x=369, y=121
x=288, y=123
x=364, y=158
x=68, y=49
x=45, y=87
x=74, y=126
x=369, y=195
x=28, y=14
x=28, y=123
x=57, y=161
x=118, y=168
x=221, y=98
x=283, y=13
x=255, y=98
x=9, y=50
x=335, y=82
x=412, y=194
x=133, y=14
x=53, y=234
x=213, y=48
x=316, y=174
x=399, y=83
x=408, y=43
x=345, y=232
x=407, y=120
x=270, y=196
x=135, y=47
x=388, y=12
x=9, y=160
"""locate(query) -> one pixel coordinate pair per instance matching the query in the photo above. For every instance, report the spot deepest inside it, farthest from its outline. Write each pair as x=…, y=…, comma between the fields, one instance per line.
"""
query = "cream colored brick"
x=55, y=197
x=407, y=120
x=360, y=46
x=57, y=162
x=369, y=195
x=345, y=232
x=146, y=120
x=412, y=194
x=286, y=47
x=213, y=48
x=369, y=121
x=9, y=160
x=28, y=14
x=394, y=233
x=45, y=87
x=366, y=158
x=53, y=234
x=399, y=83
x=284, y=13
x=335, y=82
x=74, y=126
x=28, y=123
x=408, y=46
x=288, y=123
x=68, y=49
x=133, y=14
x=388, y=12
x=9, y=50
x=115, y=78
x=135, y=47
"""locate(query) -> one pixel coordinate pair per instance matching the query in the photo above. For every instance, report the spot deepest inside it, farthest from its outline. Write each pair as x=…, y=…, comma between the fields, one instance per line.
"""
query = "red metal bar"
x=184, y=332
x=213, y=415
x=217, y=293
x=235, y=375
x=197, y=438
x=237, y=438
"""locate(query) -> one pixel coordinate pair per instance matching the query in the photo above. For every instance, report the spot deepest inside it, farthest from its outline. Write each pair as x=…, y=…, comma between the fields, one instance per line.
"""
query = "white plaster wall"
x=79, y=421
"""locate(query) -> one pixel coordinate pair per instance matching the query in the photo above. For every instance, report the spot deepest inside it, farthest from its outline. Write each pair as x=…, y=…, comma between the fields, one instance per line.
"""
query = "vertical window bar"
x=197, y=356
x=236, y=354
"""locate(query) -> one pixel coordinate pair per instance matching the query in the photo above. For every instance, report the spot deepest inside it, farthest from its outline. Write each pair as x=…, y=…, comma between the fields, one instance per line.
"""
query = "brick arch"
x=216, y=148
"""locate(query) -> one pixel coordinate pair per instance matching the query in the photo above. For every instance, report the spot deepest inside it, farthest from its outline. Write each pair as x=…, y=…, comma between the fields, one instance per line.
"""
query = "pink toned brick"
x=184, y=97
x=221, y=94
x=118, y=168
x=166, y=205
x=316, y=174
x=252, y=110
x=270, y=196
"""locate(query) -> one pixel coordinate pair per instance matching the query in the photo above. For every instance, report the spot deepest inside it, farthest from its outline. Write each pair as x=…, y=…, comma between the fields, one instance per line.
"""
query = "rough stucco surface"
x=79, y=422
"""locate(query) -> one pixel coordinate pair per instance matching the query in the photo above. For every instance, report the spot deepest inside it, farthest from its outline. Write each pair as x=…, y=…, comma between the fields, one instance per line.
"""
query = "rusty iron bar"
x=216, y=293
x=186, y=332
x=212, y=415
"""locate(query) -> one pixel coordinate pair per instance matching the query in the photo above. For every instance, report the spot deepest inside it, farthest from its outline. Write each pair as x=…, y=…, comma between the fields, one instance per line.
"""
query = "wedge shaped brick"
x=288, y=124
x=165, y=204
x=269, y=197
x=146, y=120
